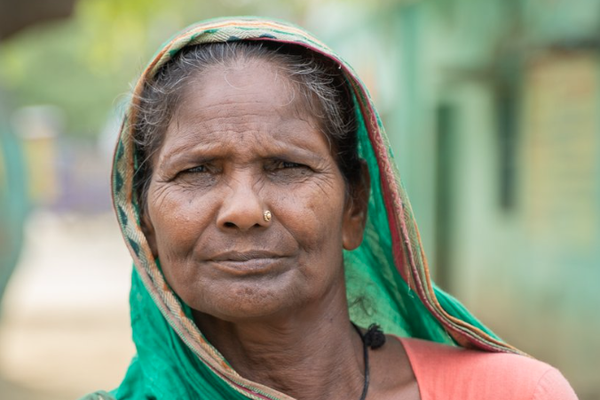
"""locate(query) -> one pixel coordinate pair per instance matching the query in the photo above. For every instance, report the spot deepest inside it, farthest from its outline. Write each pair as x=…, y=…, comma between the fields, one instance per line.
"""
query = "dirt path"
x=64, y=327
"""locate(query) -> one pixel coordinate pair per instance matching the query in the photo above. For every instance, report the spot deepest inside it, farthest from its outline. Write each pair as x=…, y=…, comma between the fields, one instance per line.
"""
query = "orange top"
x=452, y=373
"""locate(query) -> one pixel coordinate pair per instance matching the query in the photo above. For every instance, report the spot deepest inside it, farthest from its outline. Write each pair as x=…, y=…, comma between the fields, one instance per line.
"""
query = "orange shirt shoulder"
x=451, y=373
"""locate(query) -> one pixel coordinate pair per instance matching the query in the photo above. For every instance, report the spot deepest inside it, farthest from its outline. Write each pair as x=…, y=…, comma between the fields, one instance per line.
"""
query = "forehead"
x=238, y=76
x=249, y=98
x=249, y=80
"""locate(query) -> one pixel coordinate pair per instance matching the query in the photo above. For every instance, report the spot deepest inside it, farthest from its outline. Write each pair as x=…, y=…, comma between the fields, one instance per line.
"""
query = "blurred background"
x=492, y=108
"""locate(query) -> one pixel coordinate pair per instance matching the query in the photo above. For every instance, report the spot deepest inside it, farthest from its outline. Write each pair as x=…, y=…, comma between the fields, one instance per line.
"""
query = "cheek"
x=178, y=220
x=314, y=219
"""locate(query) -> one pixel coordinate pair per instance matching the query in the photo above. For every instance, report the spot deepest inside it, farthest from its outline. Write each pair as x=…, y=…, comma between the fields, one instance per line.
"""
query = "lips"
x=247, y=262
x=241, y=256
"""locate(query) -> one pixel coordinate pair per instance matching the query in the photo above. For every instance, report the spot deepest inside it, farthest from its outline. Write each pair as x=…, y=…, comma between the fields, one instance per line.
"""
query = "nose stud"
x=267, y=215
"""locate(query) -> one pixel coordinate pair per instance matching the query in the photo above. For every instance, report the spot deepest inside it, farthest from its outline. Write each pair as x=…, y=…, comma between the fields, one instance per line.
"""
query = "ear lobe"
x=148, y=229
x=355, y=216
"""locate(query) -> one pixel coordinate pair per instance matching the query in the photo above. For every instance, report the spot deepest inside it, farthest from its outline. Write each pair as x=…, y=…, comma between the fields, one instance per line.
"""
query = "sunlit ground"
x=64, y=329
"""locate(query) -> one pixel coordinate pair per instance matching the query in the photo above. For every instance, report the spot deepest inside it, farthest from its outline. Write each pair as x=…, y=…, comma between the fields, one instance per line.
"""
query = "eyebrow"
x=203, y=152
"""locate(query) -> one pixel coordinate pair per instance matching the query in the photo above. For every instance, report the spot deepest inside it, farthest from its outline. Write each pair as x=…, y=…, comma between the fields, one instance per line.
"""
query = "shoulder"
x=451, y=372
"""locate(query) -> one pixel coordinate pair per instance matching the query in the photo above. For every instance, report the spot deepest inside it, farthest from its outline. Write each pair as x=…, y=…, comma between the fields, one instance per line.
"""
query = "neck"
x=312, y=353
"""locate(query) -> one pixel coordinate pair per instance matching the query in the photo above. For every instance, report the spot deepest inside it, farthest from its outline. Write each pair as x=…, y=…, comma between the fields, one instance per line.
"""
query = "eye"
x=289, y=164
x=203, y=175
x=196, y=169
x=287, y=171
x=276, y=165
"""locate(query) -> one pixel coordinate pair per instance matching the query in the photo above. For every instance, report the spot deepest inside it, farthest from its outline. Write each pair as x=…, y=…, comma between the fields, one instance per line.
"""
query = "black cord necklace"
x=373, y=338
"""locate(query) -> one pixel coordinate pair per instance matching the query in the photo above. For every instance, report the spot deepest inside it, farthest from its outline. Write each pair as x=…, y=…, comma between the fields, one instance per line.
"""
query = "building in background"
x=14, y=200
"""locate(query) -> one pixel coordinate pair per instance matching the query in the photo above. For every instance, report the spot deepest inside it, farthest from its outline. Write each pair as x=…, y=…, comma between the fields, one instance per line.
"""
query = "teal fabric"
x=163, y=358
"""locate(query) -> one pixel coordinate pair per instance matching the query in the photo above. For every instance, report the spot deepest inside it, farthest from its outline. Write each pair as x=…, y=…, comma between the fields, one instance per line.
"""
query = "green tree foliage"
x=86, y=64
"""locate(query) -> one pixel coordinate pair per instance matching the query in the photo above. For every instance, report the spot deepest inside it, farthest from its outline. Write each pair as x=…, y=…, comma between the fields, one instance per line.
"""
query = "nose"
x=242, y=207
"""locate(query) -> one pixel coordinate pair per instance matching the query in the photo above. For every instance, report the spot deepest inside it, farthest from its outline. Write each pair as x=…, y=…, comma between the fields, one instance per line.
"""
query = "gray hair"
x=318, y=80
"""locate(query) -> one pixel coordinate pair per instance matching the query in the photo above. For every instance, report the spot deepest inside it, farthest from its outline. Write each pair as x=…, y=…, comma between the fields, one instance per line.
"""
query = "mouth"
x=247, y=262
x=241, y=256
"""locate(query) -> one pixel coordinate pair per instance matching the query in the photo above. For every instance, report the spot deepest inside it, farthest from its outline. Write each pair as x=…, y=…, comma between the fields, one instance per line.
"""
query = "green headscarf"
x=174, y=360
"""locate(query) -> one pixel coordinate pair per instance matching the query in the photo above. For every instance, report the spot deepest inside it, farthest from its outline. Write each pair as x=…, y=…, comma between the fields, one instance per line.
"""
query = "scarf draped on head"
x=388, y=271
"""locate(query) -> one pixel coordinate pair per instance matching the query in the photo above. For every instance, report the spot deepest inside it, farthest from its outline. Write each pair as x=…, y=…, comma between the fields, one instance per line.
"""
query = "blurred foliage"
x=86, y=63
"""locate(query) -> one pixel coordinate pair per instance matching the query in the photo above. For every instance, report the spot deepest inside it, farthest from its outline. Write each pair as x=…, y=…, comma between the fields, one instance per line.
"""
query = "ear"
x=149, y=232
x=355, y=214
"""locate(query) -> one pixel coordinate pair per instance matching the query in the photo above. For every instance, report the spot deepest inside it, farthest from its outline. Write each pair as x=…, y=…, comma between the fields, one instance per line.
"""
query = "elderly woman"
x=255, y=190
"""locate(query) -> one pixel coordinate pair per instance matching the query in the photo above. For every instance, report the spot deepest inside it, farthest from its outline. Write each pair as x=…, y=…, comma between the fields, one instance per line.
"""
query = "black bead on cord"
x=373, y=338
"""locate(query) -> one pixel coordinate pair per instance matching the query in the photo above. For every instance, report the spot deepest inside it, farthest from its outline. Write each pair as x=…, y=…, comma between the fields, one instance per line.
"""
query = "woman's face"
x=239, y=144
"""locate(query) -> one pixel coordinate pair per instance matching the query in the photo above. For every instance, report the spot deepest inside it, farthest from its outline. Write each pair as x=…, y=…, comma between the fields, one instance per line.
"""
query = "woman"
x=256, y=193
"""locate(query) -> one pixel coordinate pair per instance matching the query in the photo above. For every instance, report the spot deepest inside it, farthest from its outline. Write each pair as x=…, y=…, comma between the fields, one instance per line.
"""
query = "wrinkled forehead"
x=252, y=82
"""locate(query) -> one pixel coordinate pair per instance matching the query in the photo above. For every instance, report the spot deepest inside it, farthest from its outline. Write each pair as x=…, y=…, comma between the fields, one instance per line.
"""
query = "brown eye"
x=197, y=173
x=197, y=169
x=278, y=165
x=288, y=164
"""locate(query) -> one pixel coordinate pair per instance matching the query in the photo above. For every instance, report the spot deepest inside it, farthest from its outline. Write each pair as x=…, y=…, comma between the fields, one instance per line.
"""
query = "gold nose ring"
x=267, y=216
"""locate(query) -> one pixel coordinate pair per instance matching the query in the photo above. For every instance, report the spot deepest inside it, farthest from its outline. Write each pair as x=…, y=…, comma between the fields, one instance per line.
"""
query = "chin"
x=249, y=301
